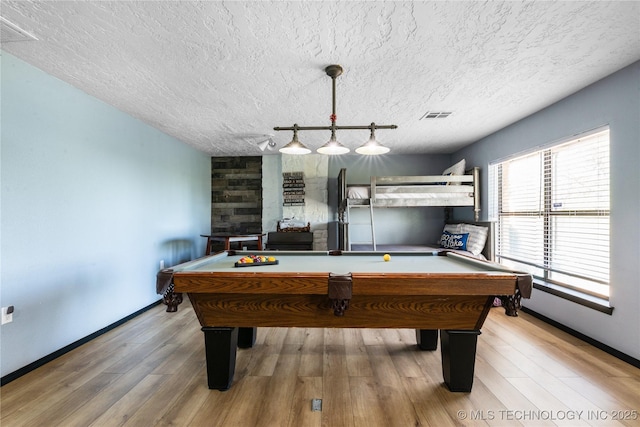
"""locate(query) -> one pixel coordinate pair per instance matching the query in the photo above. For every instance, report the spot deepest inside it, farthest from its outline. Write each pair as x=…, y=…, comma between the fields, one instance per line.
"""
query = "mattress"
x=364, y=192
x=358, y=192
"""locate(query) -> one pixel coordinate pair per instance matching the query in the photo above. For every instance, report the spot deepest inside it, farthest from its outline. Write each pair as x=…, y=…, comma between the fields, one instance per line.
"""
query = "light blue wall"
x=615, y=101
x=92, y=200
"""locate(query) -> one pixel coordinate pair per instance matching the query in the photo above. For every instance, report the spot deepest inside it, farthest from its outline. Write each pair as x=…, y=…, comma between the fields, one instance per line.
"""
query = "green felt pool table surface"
x=347, y=262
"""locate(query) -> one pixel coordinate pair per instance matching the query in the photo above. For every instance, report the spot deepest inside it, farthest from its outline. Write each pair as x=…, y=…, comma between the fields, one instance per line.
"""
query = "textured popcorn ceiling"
x=217, y=74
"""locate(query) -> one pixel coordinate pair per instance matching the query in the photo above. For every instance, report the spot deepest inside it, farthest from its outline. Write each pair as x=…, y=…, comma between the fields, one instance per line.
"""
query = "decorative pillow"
x=477, y=237
x=454, y=240
x=457, y=169
x=451, y=228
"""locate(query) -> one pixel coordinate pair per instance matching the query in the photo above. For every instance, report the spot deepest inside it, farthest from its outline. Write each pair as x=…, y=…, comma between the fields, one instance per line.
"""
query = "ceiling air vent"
x=10, y=32
x=435, y=115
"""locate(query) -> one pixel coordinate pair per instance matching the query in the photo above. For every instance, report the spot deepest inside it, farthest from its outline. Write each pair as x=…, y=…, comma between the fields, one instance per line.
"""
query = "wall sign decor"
x=293, y=189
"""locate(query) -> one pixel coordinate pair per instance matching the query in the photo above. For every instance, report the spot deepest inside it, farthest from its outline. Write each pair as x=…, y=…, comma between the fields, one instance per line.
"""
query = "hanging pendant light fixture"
x=333, y=146
x=371, y=147
x=295, y=146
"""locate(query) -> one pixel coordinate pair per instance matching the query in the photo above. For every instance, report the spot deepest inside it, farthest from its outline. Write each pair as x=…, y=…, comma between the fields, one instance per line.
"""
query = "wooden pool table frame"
x=231, y=305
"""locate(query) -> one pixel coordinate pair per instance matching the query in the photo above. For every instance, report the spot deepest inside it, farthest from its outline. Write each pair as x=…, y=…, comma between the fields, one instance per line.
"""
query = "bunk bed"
x=450, y=189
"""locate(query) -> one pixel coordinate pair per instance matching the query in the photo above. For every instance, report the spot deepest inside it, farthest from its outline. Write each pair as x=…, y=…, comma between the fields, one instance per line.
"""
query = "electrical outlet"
x=7, y=314
x=161, y=264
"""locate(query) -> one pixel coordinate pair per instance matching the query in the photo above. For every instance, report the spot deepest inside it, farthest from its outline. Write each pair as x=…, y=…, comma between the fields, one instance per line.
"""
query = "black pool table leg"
x=427, y=339
x=458, y=358
x=220, y=344
x=247, y=337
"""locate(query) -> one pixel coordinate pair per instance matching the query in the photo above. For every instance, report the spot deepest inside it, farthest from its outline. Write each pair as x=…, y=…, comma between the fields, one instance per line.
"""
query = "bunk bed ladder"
x=371, y=224
x=373, y=228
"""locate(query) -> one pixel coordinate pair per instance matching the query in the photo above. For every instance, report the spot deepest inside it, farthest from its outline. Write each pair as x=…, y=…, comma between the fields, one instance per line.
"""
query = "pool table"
x=428, y=291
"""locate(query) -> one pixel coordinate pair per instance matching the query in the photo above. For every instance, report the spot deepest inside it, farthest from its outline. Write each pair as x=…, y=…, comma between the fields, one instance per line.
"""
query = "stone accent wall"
x=240, y=184
x=315, y=209
x=236, y=194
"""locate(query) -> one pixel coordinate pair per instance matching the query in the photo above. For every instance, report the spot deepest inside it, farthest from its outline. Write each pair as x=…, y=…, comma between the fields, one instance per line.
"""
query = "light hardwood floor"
x=151, y=372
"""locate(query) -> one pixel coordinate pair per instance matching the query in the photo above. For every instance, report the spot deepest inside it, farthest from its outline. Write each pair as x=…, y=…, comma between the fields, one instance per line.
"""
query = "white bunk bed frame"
x=407, y=191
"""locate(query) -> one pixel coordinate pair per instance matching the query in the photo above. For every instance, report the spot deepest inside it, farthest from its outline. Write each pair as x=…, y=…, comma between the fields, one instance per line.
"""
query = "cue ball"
x=386, y=257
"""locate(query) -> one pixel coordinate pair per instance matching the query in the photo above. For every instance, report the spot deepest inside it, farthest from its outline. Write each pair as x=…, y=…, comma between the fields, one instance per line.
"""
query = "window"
x=551, y=208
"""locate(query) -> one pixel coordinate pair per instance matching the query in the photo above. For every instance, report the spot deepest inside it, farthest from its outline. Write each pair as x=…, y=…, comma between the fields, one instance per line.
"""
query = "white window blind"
x=552, y=213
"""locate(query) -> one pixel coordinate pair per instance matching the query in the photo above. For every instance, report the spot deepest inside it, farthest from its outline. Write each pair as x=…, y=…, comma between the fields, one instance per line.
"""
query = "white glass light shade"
x=333, y=147
x=294, y=147
x=372, y=148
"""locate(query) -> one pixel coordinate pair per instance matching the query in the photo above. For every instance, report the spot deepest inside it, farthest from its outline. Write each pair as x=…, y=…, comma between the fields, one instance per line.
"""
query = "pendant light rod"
x=375, y=126
x=333, y=71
